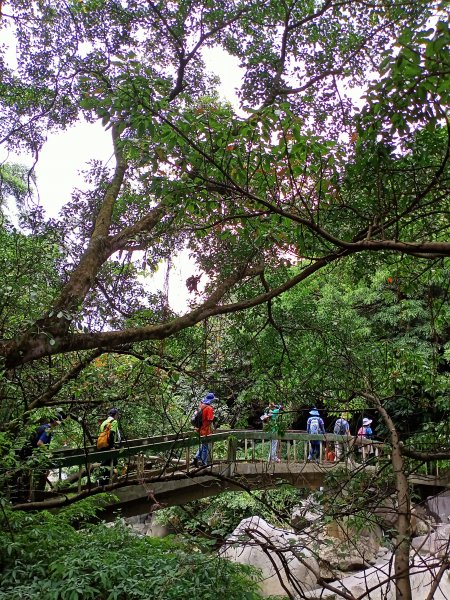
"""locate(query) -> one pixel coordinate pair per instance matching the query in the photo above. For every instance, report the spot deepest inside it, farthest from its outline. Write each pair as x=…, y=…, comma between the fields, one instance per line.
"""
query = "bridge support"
x=231, y=456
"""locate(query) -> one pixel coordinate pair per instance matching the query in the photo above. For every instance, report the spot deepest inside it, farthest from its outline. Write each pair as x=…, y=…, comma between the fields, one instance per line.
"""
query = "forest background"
x=317, y=225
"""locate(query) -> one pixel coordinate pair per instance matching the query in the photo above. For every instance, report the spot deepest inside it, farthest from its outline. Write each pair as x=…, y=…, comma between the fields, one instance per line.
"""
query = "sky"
x=66, y=154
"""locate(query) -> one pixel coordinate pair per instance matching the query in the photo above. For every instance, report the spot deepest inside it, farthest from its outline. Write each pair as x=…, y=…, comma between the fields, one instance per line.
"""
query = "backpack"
x=340, y=427
x=103, y=440
x=314, y=426
x=197, y=418
x=27, y=449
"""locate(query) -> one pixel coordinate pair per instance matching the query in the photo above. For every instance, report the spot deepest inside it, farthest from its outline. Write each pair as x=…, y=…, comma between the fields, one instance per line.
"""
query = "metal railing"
x=232, y=446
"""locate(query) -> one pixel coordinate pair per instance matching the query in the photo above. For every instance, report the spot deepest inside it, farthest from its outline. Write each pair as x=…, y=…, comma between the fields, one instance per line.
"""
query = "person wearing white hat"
x=365, y=432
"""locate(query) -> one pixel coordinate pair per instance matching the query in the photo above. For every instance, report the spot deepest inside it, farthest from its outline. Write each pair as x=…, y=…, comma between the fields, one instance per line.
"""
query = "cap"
x=209, y=398
x=113, y=412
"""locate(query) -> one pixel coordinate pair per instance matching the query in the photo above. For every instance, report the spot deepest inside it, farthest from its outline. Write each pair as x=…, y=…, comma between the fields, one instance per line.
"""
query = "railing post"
x=188, y=458
x=231, y=456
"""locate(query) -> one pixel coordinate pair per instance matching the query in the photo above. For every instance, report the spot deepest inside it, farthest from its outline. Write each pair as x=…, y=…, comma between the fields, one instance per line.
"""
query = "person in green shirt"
x=270, y=418
x=113, y=441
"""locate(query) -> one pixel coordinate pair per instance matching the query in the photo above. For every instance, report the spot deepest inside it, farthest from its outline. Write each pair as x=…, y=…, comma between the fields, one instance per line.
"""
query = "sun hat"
x=366, y=422
x=314, y=412
x=209, y=398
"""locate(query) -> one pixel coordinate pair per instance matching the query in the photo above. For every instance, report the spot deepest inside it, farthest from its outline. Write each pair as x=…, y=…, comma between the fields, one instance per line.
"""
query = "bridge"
x=159, y=469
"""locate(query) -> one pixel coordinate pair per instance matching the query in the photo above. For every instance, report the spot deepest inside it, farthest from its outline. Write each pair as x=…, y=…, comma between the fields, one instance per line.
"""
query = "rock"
x=357, y=584
x=345, y=548
x=439, y=506
x=248, y=544
x=421, y=521
x=386, y=513
x=143, y=525
x=436, y=543
x=308, y=511
x=343, y=556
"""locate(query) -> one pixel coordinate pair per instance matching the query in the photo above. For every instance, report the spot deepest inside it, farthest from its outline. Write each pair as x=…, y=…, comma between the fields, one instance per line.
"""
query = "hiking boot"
x=194, y=462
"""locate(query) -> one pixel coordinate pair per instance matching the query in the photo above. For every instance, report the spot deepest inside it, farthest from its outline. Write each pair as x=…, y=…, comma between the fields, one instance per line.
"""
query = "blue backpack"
x=314, y=426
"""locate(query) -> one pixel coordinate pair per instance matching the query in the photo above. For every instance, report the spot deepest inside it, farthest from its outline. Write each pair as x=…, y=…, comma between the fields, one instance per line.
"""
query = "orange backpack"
x=104, y=437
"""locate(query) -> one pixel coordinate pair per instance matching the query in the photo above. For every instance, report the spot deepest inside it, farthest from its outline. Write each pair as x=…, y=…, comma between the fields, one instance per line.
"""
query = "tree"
x=249, y=189
x=305, y=178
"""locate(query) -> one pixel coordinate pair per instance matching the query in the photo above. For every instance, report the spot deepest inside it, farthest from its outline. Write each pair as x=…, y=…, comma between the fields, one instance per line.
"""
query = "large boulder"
x=421, y=522
x=308, y=511
x=439, y=506
x=386, y=513
x=436, y=543
x=341, y=547
x=285, y=563
x=422, y=576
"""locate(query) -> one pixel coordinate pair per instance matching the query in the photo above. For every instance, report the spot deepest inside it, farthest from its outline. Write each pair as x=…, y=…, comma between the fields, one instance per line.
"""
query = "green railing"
x=166, y=455
x=227, y=445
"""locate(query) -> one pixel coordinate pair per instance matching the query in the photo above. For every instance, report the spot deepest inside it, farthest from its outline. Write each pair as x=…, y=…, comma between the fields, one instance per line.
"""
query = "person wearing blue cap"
x=41, y=438
x=314, y=426
x=207, y=412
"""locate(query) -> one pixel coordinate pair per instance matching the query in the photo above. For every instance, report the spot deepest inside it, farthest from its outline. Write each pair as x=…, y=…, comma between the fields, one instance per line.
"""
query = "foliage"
x=45, y=555
x=216, y=518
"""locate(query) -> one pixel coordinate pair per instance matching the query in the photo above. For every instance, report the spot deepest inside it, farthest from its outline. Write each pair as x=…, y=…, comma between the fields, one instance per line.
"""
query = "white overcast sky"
x=66, y=154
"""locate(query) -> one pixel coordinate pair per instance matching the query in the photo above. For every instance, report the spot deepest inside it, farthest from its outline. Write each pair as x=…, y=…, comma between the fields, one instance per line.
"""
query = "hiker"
x=270, y=418
x=35, y=482
x=314, y=426
x=365, y=433
x=108, y=438
x=341, y=427
x=207, y=413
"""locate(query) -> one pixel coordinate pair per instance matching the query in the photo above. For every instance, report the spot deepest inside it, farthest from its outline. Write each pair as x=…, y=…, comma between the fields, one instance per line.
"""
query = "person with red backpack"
x=207, y=417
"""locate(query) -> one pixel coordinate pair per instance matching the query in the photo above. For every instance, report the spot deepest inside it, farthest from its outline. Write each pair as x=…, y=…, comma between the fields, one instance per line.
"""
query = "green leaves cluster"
x=46, y=556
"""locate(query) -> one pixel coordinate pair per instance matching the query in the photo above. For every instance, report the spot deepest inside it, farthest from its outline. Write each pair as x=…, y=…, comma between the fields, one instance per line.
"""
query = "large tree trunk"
x=403, y=525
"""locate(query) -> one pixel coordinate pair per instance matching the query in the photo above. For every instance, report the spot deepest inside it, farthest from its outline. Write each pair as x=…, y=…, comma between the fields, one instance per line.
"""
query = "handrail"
x=163, y=443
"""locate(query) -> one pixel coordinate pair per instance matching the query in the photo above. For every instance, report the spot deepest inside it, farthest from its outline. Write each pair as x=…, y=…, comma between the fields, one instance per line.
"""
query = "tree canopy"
x=303, y=174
